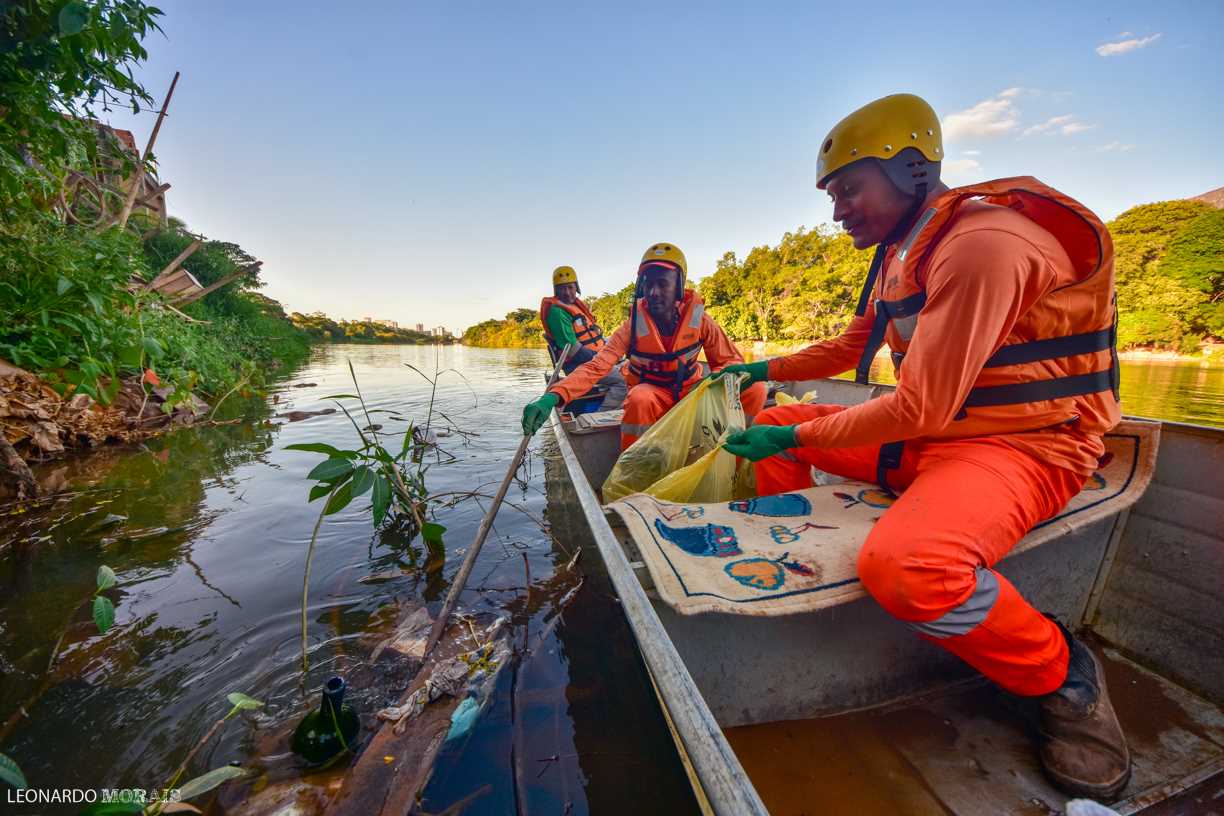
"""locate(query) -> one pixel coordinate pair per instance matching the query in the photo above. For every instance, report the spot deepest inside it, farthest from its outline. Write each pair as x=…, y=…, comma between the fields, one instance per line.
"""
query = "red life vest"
x=1058, y=364
x=666, y=364
x=585, y=328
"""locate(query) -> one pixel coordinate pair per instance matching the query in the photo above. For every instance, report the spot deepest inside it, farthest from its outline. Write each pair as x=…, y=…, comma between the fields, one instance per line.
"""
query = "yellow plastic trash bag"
x=680, y=454
x=783, y=398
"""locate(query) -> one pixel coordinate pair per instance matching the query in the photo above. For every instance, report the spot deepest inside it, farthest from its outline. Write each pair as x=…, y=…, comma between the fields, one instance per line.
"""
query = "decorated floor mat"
x=796, y=552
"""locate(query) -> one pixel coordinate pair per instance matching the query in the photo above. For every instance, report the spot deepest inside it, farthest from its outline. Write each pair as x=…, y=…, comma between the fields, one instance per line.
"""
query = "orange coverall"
x=646, y=404
x=966, y=502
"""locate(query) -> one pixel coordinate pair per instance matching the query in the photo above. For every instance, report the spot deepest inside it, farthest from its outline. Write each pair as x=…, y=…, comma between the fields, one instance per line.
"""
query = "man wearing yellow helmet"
x=568, y=321
x=666, y=331
x=996, y=301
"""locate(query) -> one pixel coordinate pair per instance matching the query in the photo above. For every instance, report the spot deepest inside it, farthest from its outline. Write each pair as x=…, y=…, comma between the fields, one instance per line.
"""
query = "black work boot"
x=1083, y=748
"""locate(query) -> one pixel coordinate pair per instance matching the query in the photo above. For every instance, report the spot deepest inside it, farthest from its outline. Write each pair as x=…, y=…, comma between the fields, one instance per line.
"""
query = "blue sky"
x=432, y=162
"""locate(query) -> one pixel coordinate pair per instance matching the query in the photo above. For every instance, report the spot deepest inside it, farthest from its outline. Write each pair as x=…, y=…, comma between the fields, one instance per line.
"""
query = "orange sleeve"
x=978, y=283
x=719, y=350
x=828, y=358
x=583, y=378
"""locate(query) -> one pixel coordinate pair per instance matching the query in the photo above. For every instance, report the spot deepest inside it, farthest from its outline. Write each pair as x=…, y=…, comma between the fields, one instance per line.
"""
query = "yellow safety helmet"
x=564, y=274
x=667, y=253
x=886, y=129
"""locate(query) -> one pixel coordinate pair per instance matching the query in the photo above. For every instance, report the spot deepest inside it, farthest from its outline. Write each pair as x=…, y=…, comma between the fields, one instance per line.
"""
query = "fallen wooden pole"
x=228, y=279
x=469, y=560
x=174, y=265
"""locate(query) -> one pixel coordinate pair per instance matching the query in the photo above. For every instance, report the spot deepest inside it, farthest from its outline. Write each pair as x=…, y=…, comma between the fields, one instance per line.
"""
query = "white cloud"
x=1067, y=124
x=1126, y=34
x=991, y=117
x=959, y=169
x=973, y=152
x=1122, y=46
x=1119, y=147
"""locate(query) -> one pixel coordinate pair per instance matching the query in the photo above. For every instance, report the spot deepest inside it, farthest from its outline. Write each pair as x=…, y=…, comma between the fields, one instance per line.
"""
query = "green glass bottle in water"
x=325, y=732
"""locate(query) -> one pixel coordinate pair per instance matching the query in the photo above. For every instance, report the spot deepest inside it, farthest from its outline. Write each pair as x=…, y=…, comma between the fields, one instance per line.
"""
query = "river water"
x=207, y=528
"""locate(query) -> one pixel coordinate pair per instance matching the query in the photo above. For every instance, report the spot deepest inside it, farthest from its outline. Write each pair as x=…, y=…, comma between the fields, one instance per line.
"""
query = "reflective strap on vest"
x=1037, y=350
x=886, y=310
x=667, y=355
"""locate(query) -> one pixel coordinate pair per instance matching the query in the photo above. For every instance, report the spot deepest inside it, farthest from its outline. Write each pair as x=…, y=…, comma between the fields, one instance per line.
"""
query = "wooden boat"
x=844, y=711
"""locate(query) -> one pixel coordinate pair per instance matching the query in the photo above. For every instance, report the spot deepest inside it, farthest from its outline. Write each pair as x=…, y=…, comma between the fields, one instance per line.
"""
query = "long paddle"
x=469, y=560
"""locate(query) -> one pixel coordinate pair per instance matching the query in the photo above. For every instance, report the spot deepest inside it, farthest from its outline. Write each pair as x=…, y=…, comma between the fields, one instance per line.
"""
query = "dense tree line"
x=1169, y=265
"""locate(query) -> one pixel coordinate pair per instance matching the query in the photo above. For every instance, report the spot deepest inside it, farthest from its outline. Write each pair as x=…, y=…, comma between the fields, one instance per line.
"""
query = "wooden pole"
x=173, y=265
x=138, y=182
x=246, y=270
x=469, y=560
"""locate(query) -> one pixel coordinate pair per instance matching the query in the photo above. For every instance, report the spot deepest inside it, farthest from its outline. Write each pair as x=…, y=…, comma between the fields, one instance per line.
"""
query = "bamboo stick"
x=138, y=182
x=469, y=560
x=228, y=279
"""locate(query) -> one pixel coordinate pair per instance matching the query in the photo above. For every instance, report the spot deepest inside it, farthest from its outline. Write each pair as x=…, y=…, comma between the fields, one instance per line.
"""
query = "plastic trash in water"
x=463, y=718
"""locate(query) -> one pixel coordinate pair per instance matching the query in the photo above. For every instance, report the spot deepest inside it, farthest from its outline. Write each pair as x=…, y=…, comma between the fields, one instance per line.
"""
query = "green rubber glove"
x=762, y=441
x=535, y=414
x=757, y=372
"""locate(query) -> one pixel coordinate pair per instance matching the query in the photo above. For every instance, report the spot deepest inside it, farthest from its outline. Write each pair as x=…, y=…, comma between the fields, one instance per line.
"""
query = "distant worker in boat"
x=568, y=321
x=666, y=331
x=997, y=303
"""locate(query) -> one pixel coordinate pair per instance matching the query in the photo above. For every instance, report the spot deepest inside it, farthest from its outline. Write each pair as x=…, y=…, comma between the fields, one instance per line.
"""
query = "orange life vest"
x=585, y=328
x=1061, y=352
x=652, y=360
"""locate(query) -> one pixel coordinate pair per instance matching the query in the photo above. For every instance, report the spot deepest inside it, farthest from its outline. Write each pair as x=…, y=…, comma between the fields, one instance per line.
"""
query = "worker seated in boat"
x=996, y=301
x=662, y=338
x=568, y=321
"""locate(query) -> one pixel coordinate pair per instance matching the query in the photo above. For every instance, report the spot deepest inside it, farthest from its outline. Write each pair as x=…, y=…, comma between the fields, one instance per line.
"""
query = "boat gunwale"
x=724, y=781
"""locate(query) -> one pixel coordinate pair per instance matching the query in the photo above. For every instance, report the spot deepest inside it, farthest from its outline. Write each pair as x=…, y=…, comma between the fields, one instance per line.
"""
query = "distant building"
x=421, y=328
x=440, y=332
x=390, y=324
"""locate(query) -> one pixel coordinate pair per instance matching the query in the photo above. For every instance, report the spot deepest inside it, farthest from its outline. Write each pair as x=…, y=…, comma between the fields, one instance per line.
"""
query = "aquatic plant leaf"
x=339, y=499
x=432, y=535
x=319, y=491
x=381, y=498
x=239, y=700
x=103, y=613
x=322, y=447
x=206, y=782
x=342, y=396
x=11, y=774
x=363, y=480
x=106, y=578
x=329, y=470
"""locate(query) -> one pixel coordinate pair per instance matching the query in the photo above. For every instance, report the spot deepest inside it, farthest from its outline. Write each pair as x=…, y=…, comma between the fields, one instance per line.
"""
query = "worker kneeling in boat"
x=665, y=332
x=999, y=313
x=568, y=321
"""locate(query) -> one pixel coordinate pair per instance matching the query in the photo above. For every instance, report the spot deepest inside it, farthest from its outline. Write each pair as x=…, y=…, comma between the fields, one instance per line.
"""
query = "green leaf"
x=106, y=578
x=62, y=285
x=95, y=300
x=329, y=470
x=210, y=780
x=239, y=700
x=72, y=19
x=115, y=808
x=363, y=480
x=320, y=447
x=103, y=613
x=342, y=396
x=432, y=533
x=339, y=499
x=381, y=498
x=152, y=348
x=10, y=773
x=319, y=491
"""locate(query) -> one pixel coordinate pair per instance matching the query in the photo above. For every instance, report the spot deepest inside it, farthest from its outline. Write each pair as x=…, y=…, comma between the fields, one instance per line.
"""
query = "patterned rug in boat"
x=796, y=552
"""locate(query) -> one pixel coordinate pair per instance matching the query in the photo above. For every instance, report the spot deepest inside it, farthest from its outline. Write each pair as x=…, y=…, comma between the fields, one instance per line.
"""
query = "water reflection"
x=206, y=530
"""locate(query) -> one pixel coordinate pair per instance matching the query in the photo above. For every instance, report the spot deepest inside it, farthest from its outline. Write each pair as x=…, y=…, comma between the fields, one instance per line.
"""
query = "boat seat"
x=797, y=552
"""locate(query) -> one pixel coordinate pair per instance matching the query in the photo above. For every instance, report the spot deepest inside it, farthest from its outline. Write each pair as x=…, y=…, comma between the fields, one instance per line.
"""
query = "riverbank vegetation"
x=76, y=305
x=1169, y=265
